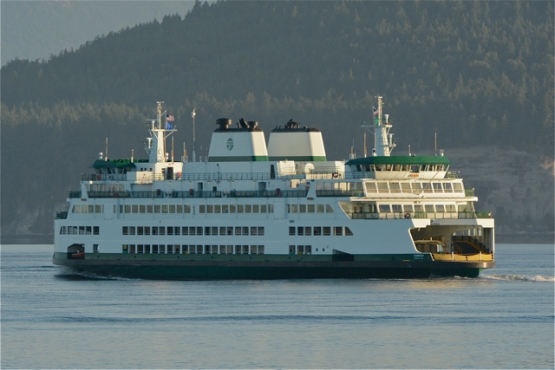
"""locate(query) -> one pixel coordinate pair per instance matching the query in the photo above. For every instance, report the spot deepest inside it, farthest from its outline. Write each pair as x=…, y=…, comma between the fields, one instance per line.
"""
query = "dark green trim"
x=257, y=158
x=300, y=158
x=117, y=163
x=400, y=160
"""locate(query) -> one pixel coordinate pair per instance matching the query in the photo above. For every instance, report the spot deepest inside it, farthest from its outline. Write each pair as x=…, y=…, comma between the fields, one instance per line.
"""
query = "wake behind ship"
x=276, y=211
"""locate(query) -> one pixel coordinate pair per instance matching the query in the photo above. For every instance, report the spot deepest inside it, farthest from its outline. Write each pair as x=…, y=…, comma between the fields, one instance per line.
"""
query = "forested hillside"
x=479, y=74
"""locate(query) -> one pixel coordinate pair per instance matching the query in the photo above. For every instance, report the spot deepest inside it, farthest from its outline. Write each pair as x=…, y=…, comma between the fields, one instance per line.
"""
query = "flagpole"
x=193, y=114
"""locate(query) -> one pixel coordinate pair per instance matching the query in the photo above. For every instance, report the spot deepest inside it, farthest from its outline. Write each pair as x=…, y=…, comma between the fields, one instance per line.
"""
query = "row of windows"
x=158, y=208
x=80, y=230
x=191, y=249
x=430, y=208
x=86, y=208
x=300, y=249
x=413, y=187
x=320, y=230
x=193, y=230
x=400, y=167
x=309, y=208
x=239, y=208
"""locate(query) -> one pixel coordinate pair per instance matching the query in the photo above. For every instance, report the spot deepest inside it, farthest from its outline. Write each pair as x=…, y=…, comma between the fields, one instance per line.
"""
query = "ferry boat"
x=277, y=211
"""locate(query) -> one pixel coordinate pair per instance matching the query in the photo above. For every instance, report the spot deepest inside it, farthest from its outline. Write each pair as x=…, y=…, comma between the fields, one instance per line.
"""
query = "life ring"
x=99, y=177
x=335, y=175
x=407, y=215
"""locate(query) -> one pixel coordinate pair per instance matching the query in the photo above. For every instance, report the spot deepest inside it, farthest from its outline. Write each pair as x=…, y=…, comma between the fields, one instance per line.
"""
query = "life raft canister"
x=407, y=215
x=335, y=175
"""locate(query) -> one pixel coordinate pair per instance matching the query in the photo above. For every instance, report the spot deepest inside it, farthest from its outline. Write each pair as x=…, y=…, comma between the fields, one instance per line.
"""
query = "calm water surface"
x=54, y=319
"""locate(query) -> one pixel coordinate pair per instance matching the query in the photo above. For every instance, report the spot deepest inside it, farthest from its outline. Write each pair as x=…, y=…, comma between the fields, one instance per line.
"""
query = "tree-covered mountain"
x=37, y=29
x=477, y=74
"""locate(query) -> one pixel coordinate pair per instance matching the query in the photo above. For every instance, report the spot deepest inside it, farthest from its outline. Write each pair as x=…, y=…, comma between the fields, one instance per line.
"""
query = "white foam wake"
x=534, y=278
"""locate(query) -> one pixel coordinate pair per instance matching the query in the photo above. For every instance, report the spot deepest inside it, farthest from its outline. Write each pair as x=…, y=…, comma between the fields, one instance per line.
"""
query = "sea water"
x=52, y=318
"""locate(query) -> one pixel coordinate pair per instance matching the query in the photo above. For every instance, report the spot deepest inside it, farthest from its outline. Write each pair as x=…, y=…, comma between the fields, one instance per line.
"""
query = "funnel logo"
x=229, y=144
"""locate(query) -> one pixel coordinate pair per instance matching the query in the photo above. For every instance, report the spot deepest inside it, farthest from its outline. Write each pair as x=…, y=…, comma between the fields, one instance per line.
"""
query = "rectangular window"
x=448, y=187
x=384, y=208
x=225, y=208
x=209, y=209
x=320, y=208
x=308, y=231
x=263, y=209
x=291, y=249
x=245, y=249
x=396, y=208
x=291, y=230
x=222, y=249
x=329, y=209
x=217, y=208
x=395, y=187
x=302, y=208
x=91, y=209
x=207, y=230
x=254, y=249
x=81, y=230
x=238, y=230
x=187, y=209
x=170, y=230
x=248, y=208
x=192, y=231
x=300, y=249
x=214, y=230
x=63, y=230
x=382, y=187
x=308, y=249
x=125, y=230
x=458, y=187
x=245, y=230
x=165, y=208
x=96, y=230
x=254, y=230
x=147, y=230
x=179, y=208
x=184, y=230
x=255, y=208
x=147, y=248
x=131, y=230
x=450, y=208
x=260, y=230
x=88, y=230
x=317, y=231
x=98, y=209
x=140, y=230
x=206, y=249
x=429, y=208
x=154, y=230
x=139, y=248
x=240, y=208
x=237, y=249
x=440, y=208
x=126, y=209
x=405, y=187
x=149, y=208
x=162, y=248
x=176, y=230
x=338, y=230
x=142, y=208
x=156, y=209
x=135, y=208
x=310, y=208
x=418, y=208
x=294, y=208
x=199, y=230
x=327, y=231
x=132, y=248
x=230, y=249
x=222, y=230
x=437, y=187
x=185, y=249
x=232, y=208
x=260, y=249
x=370, y=187
x=407, y=208
x=300, y=230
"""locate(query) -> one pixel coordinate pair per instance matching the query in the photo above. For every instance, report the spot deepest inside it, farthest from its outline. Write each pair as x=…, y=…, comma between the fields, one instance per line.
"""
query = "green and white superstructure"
x=277, y=211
